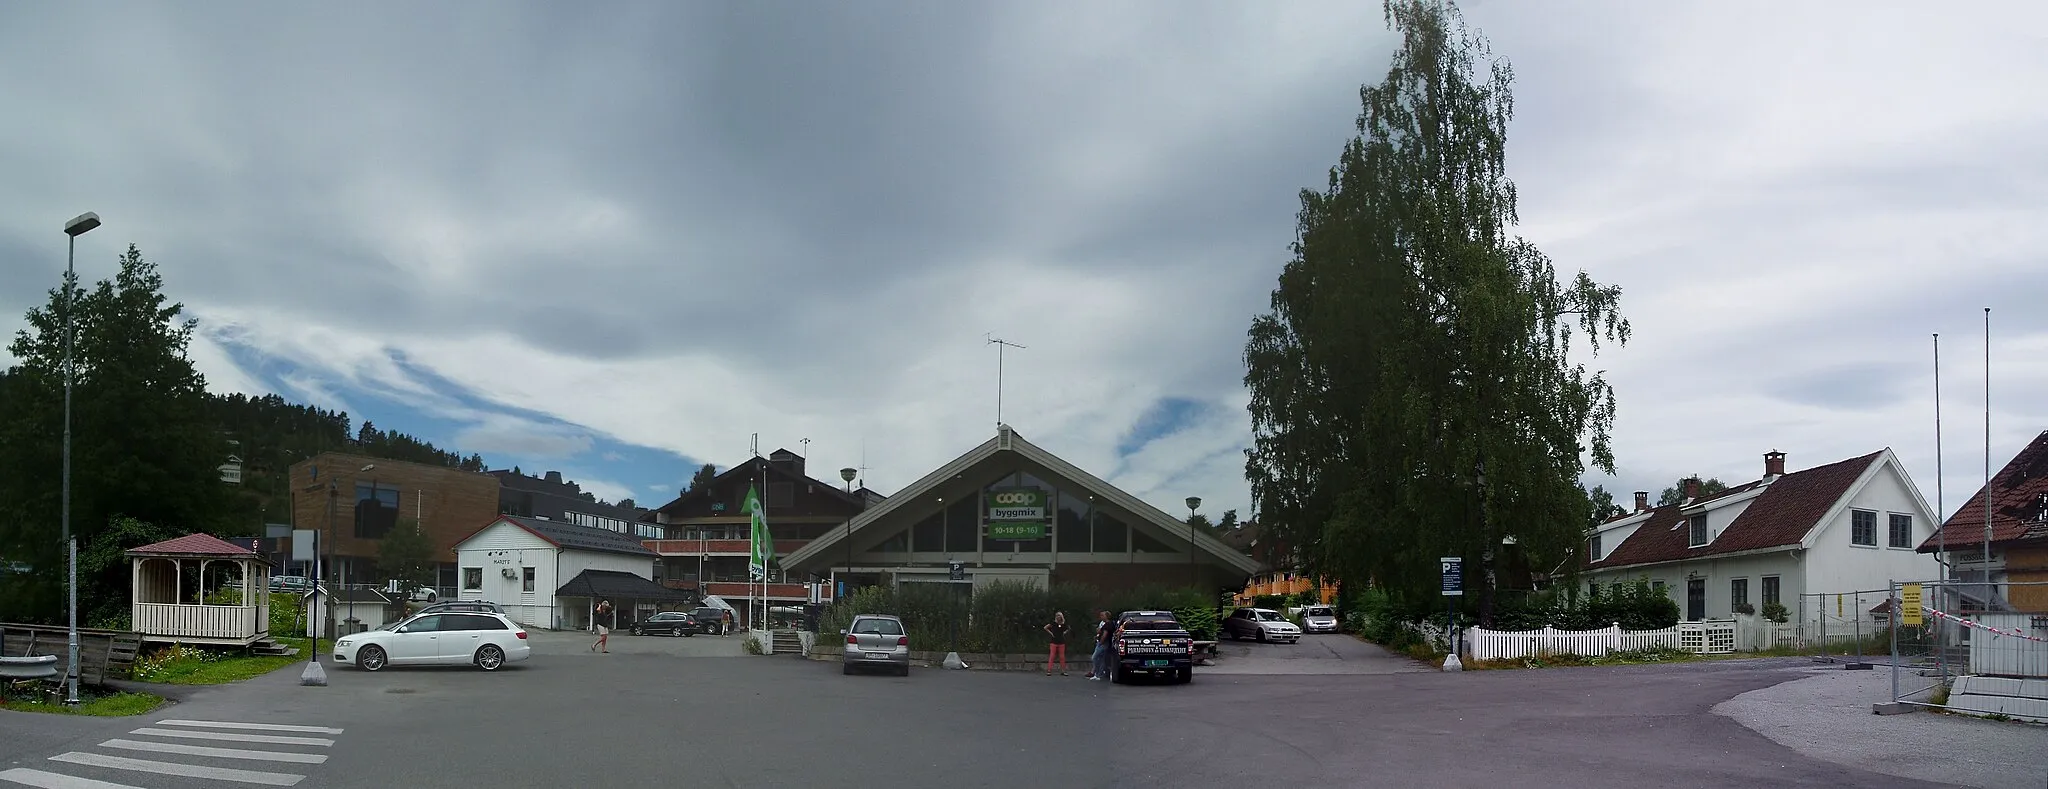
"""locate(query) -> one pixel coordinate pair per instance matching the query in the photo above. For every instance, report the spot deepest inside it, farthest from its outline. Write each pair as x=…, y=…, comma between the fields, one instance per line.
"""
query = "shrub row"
x=1009, y=617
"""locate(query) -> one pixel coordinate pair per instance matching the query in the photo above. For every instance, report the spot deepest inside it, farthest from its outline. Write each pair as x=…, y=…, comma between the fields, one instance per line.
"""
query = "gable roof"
x=2018, y=509
x=1784, y=512
x=748, y=470
x=614, y=584
x=1007, y=440
x=193, y=545
x=569, y=536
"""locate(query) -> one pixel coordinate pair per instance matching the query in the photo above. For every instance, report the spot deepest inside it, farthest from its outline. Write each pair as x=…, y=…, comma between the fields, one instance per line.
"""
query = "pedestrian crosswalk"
x=175, y=749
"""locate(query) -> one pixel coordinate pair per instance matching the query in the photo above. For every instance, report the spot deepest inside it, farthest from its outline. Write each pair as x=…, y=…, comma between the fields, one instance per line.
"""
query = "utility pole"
x=1000, y=344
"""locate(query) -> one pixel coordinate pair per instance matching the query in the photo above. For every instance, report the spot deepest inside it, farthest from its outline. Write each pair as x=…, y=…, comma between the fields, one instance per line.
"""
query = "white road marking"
x=223, y=753
x=38, y=778
x=274, y=739
x=254, y=726
x=174, y=768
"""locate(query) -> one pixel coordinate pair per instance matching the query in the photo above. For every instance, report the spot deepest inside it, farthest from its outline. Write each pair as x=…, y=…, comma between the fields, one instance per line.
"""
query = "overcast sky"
x=618, y=242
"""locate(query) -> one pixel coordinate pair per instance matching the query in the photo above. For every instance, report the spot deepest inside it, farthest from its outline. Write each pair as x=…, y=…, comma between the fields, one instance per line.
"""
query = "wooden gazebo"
x=200, y=589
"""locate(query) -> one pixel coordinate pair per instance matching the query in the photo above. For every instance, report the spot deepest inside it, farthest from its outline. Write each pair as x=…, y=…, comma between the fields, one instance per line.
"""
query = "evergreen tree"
x=1413, y=391
x=406, y=555
x=143, y=448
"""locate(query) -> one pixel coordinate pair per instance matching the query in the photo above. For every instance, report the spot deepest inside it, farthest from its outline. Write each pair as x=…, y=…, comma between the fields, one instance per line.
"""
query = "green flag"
x=763, y=548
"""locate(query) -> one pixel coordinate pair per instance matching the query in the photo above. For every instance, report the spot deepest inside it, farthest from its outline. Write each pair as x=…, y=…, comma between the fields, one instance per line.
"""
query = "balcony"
x=718, y=547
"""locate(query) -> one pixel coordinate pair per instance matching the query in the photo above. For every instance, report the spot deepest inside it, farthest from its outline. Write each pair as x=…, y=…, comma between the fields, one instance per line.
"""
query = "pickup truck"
x=1153, y=642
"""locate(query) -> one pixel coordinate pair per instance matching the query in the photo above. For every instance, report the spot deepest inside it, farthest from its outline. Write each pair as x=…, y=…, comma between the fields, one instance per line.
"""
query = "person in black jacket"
x=1057, y=650
x=1105, y=631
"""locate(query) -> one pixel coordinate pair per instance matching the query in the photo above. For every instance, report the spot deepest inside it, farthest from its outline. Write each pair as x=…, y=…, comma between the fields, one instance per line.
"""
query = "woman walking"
x=1056, y=650
x=1098, y=664
x=604, y=634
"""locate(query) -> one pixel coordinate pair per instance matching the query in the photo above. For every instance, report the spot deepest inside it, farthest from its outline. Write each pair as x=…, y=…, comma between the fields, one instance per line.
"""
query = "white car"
x=485, y=640
x=1264, y=624
x=1319, y=619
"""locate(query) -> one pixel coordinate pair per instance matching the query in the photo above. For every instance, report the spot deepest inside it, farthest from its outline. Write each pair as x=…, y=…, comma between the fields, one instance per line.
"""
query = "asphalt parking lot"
x=1322, y=654
x=698, y=711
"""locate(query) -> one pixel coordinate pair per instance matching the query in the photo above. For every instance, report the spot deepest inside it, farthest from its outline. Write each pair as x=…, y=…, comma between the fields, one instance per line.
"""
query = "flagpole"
x=1940, y=507
x=1989, y=590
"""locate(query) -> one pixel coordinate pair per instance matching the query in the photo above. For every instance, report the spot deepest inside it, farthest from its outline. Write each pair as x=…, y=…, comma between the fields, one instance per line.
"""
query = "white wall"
x=1837, y=565
x=505, y=546
x=1717, y=573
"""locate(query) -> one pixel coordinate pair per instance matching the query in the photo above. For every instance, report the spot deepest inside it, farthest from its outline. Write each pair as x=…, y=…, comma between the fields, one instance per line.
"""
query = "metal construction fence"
x=1962, y=647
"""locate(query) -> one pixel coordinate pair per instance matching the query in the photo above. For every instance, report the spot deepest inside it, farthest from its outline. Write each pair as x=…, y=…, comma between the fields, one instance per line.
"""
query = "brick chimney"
x=555, y=477
x=1692, y=488
x=1774, y=464
x=1642, y=501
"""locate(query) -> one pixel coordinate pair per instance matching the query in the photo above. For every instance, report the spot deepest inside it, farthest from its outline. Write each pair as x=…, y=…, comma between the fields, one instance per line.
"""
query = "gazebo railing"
x=198, y=621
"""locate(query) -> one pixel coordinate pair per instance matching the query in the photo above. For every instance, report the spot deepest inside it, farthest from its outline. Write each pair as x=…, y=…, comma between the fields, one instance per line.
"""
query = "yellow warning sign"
x=1909, y=605
x=1838, y=606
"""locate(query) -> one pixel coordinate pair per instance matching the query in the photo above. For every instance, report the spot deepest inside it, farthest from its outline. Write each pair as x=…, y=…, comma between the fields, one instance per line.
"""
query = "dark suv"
x=1153, y=642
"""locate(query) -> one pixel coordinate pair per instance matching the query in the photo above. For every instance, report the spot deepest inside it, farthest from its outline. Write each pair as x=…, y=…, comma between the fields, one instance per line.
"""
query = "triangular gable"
x=1886, y=460
x=1007, y=440
x=745, y=471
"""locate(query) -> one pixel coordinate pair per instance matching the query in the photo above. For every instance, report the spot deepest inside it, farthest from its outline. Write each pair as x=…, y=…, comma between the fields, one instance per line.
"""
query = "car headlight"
x=342, y=643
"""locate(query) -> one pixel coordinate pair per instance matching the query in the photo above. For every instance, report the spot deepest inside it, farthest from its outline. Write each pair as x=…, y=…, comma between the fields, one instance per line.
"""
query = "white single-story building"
x=1797, y=540
x=523, y=564
x=357, y=609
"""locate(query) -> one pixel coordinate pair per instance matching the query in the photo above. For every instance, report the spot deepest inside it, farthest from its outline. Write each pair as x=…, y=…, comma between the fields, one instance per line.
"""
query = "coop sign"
x=1017, y=514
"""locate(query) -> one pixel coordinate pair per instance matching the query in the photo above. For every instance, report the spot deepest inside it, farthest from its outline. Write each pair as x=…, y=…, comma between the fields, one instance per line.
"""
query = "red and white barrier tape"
x=2015, y=632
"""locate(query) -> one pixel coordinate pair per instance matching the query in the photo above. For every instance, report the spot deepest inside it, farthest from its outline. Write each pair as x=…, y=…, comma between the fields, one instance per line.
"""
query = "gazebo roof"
x=205, y=545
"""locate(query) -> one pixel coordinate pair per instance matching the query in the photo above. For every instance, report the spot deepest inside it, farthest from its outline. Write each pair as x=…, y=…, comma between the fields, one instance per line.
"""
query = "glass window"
x=963, y=526
x=472, y=578
x=896, y=543
x=1863, y=528
x=1146, y=543
x=1738, y=592
x=1770, y=591
x=376, y=510
x=425, y=624
x=1902, y=531
x=1699, y=530
x=1073, y=523
x=1593, y=546
x=1110, y=533
x=929, y=535
x=878, y=627
x=526, y=579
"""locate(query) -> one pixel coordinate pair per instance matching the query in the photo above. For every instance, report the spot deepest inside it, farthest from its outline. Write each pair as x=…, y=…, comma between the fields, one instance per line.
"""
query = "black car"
x=710, y=620
x=666, y=623
x=1154, y=643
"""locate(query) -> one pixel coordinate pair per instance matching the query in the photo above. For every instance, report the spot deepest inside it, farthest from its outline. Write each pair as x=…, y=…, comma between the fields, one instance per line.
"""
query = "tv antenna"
x=1000, y=344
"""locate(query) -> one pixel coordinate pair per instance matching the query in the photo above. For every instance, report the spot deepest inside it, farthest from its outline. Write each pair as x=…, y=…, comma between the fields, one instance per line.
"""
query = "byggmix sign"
x=1017, y=514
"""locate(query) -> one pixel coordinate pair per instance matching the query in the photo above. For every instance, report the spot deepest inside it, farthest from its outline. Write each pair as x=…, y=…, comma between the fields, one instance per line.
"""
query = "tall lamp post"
x=78, y=226
x=1194, y=503
x=379, y=503
x=847, y=475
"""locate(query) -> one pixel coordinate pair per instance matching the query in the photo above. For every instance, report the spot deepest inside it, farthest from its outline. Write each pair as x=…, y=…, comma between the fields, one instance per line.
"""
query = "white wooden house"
x=1784, y=538
x=522, y=563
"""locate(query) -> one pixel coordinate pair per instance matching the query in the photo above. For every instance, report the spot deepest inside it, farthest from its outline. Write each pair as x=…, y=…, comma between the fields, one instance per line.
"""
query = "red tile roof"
x=2016, y=503
x=194, y=545
x=1782, y=514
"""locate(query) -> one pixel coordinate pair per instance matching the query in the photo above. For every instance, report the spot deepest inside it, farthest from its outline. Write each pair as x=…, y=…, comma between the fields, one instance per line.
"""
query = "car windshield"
x=878, y=627
x=1319, y=612
x=1266, y=616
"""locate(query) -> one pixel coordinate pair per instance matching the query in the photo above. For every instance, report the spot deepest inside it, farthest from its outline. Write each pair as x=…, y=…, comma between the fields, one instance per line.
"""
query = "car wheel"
x=370, y=658
x=636, y=631
x=1118, y=677
x=1262, y=635
x=1184, y=676
x=676, y=632
x=846, y=668
x=490, y=657
x=903, y=670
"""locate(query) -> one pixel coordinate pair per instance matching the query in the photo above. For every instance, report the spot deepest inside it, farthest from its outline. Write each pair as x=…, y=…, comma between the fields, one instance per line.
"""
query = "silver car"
x=1263, y=624
x=1319, y=619
x=876, y=641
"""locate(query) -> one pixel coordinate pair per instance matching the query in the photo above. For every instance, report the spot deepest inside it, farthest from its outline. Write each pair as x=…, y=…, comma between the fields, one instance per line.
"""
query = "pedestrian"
x=1104, y=633
x=1056, y=651
x=725, y=623
x=604, y=633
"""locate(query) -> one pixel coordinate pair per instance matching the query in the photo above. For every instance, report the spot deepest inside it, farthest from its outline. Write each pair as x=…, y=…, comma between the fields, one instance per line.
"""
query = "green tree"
x=1603, y=508
x=1228, y=521
x=143, y=447
x=1414, y=392
x=406, y=555
x=1676, y=493
x=703, y=477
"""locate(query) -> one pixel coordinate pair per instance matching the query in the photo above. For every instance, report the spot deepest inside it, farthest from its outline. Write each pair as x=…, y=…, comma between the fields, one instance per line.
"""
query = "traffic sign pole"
x=1453, y=568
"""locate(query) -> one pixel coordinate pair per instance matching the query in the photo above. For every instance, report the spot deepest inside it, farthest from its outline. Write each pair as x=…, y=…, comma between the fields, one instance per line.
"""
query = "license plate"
x=1154, y=663
x=878, y=656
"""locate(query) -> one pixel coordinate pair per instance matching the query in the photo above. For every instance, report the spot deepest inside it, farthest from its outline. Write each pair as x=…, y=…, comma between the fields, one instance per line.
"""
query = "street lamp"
x=1194, y=503
x=846, y=475
x=368, y=467
x=78, y=226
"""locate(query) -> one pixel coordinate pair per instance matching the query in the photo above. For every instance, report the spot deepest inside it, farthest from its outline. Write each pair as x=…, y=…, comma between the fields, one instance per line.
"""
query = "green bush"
x=1776, y=612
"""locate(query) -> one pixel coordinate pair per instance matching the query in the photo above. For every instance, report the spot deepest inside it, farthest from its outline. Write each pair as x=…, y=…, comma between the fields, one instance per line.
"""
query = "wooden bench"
x=102, y=654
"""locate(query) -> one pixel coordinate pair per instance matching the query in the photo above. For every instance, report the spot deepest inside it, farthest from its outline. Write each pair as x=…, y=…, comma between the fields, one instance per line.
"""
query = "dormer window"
x=1698, y=526
x=1593, y=546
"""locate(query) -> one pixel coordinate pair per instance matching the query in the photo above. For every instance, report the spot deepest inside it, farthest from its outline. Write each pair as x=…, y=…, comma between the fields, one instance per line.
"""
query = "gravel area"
x=1827, y=716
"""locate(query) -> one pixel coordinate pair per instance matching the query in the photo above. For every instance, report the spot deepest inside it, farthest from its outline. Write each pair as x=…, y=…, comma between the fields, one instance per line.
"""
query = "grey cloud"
x=1847, y=386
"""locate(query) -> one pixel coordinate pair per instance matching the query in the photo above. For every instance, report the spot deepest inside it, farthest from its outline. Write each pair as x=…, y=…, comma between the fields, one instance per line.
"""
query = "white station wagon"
x=485, y=640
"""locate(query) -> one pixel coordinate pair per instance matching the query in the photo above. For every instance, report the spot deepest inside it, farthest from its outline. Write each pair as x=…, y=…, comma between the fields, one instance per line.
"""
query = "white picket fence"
x=1710, y=637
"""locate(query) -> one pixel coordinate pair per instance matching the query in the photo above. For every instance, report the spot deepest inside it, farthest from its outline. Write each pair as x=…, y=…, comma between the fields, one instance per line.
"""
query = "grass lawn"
x=110, y=705
x=194, y=666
